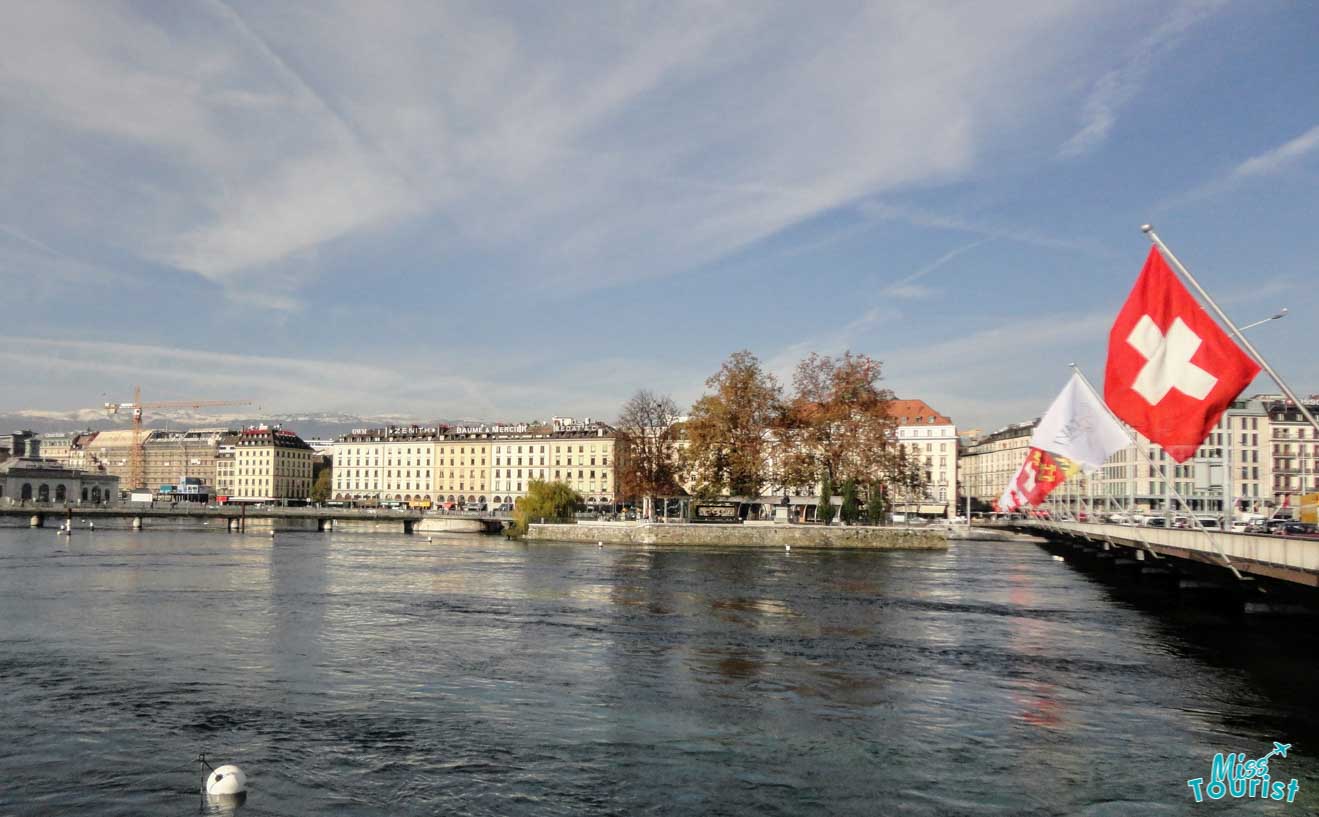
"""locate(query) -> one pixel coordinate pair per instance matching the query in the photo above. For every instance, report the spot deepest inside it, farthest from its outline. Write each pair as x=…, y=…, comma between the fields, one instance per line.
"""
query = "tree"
x=909, y=475
x=838, y=422
x=647, y=448
x=876, y=504
x=544, y=500
x=729, y=431
x=824, y=512
x=320, y=490
x=851, y=510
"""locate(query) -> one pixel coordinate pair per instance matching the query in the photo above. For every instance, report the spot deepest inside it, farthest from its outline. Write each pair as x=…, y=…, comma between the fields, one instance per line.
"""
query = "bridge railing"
x=1285, y=551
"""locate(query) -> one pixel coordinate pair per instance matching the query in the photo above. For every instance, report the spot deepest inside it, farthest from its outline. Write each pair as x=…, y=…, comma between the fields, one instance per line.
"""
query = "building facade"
x=264, y=464
x=1293, y=450
x=473, y=465
x=931, y=440
x=987, y=464
x=18, y=444
x=27, y=481
x=169, y=457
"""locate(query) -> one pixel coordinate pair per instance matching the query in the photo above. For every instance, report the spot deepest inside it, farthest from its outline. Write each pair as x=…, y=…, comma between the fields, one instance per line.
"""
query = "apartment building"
x=987, y=464
x=264, y=464
x=1237, y=449
x=931, y=440
x=474, y=464
x=1293, y=450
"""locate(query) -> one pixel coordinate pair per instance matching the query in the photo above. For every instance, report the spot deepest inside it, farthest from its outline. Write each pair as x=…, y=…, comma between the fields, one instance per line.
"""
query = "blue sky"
x=523, y=209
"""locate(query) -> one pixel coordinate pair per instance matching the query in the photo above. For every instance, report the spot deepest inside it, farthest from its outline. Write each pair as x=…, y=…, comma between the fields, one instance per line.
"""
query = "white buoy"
x=787, y=548
x=599, y=544
x=227, y=779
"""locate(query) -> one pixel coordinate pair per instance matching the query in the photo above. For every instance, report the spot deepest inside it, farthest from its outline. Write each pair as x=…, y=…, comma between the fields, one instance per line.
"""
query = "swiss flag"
x=1171, y=370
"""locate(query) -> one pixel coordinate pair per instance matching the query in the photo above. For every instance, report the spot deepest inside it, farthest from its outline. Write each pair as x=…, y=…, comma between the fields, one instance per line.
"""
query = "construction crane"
x=136, y=477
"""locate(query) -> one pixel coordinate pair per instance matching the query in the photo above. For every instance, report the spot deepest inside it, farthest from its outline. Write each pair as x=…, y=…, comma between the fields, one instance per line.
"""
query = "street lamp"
x=1282, y=313
x=1229, y=496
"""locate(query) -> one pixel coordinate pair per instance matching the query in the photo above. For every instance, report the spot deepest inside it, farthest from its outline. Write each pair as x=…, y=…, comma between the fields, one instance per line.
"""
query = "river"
x=373, y=674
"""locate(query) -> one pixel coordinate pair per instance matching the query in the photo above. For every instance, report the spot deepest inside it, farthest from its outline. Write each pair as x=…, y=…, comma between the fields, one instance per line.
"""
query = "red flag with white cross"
x=1172, y=370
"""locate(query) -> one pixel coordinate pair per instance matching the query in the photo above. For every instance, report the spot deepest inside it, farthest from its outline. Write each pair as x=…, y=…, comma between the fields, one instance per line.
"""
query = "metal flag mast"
x=1241, y=338
x=1163, y=472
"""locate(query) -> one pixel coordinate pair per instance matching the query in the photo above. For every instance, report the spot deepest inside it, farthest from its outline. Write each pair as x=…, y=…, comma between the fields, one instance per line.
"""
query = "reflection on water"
x=379, y=674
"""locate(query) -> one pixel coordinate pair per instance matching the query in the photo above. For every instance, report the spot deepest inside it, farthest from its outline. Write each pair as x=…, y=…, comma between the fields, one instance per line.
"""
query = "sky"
x=517, y=210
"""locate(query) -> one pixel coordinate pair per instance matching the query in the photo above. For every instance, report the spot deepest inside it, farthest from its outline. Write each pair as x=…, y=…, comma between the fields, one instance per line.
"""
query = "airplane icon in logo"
x=1278, y=749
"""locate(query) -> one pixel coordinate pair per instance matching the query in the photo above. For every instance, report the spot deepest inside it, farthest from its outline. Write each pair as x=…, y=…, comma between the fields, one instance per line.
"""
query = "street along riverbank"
x=797, y=536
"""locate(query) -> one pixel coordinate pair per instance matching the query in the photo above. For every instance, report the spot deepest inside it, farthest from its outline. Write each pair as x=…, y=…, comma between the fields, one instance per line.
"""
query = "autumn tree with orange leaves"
x=838, y=423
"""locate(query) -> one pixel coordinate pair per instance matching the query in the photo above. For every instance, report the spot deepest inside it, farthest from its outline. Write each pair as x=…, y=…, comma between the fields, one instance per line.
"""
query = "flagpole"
x=1254, y=353
x=1164, y=473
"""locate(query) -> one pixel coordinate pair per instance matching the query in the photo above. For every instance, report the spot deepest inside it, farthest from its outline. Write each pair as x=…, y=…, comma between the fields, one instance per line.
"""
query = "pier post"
x=407, y=526
x=137, y=523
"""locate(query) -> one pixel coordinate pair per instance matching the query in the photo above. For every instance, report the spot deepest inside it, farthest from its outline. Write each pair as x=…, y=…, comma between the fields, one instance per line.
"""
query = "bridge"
x=1240, y=556
x=238, y=518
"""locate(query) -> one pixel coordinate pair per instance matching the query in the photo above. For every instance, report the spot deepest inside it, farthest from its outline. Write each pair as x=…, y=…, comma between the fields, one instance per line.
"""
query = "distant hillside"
x=307, y=425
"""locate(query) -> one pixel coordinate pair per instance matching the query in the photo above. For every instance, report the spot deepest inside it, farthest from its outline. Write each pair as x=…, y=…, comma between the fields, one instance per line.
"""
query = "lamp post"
x=1282, y=313
x=1229, y=495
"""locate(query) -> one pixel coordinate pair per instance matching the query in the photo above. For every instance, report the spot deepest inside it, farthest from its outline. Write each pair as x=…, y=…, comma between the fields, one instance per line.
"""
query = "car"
x=1302, y=529
x=1156, y=522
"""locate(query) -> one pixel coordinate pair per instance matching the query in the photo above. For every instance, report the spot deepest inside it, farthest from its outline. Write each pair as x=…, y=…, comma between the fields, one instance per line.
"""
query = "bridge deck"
x=1291, y=559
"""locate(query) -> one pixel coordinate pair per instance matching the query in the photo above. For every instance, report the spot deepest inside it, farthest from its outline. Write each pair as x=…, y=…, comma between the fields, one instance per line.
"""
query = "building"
x=169, y=457
x=1129, y=481
x=931, y=440
x=1293, y=450
x=473, y=465
x=59, y=445
x=30, y=480
x=263, y=464
x=377, y=464
x=20, y=444
x=987, y=464
x=172, y=458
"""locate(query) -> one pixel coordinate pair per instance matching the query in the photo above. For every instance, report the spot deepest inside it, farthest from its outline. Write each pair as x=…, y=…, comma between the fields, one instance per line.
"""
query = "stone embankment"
x=797, y=536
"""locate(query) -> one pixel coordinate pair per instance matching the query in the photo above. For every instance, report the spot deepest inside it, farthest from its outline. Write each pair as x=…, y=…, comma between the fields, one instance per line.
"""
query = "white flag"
x=1078, y=427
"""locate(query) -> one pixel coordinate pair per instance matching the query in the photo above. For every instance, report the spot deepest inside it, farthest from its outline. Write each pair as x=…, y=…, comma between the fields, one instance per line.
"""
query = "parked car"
x=1303, y=529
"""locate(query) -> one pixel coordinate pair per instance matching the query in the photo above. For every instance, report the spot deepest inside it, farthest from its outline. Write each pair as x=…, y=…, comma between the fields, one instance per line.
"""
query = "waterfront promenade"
x=239, y=517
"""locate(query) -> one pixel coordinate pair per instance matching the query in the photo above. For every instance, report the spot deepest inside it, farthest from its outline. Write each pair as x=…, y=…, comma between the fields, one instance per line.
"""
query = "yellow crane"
x=135, y=465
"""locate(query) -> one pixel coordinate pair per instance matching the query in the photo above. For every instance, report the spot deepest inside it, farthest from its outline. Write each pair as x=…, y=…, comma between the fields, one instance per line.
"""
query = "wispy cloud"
x=1279, y=158
x=908, y=288
x=921, y=217
x=422, y=388
x=588, y=150
x=1269, y=163
x=998, y=375
x=1115, y=89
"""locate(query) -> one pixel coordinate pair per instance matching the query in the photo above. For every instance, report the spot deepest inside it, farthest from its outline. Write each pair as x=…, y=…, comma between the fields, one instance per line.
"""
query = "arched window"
x=60, y=493
x=84, y=493
x=96, y=494
x=43, y=493
x=27, y=491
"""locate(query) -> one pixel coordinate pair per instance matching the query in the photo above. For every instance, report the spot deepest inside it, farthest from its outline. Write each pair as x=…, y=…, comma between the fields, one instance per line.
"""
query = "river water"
x=387, y=675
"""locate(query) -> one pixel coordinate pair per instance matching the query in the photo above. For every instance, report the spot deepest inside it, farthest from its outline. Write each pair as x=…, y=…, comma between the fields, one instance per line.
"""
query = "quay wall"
x=798, y=536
